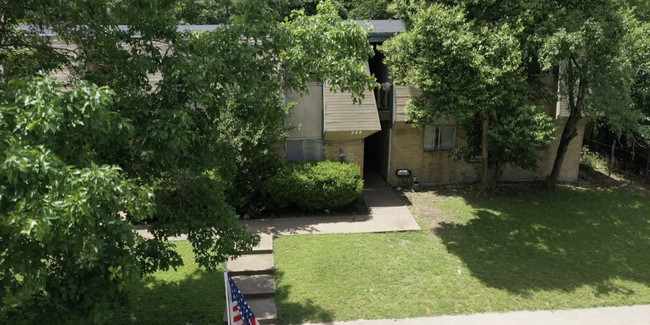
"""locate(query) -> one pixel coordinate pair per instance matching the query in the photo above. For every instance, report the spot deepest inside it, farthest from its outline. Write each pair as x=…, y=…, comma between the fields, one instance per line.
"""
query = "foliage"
x=221, y=11
x=249, y=106
x=510, y=138
x=245, y=193
x=595, y=75
x=436, y=55
x=593, y=160
x=371, y=9
x=637, y=46
x=195, y=109
x=587, y=42
x=324, y=185
x=204, y=12
x=55, y=261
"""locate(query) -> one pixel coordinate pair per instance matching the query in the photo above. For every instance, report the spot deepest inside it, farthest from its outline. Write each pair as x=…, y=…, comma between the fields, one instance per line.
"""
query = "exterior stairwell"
x=254, y=274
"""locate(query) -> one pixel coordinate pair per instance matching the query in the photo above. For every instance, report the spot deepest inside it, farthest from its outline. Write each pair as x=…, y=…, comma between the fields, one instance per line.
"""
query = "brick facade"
x=435, y=167
x=430, y=167
x=353, y=150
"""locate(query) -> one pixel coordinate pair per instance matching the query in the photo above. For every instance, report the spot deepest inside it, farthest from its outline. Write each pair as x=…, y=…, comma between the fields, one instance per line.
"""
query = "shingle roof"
x=379, y=28
x=383, y=27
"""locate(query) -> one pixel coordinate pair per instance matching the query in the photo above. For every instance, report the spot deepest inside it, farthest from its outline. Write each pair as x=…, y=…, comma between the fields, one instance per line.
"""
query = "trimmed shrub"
x=313, y=186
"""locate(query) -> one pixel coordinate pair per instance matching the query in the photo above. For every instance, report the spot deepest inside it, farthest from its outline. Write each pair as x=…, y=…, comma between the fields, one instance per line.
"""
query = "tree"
x=66, y=252
x=221, y=11
x=217, y=107
x=371, y=9
x=586, y=41
x=637, y=47
x=474, y=74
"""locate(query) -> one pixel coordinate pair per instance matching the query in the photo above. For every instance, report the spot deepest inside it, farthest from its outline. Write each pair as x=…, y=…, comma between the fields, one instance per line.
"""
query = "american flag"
x=241, y=312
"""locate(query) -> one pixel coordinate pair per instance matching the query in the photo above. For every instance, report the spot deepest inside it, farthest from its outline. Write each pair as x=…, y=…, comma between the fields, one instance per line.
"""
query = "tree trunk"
x=485, y=170
x=610, y=166
x=495, y=174
x=647, y=161
x=569, y=132
x=570, y=127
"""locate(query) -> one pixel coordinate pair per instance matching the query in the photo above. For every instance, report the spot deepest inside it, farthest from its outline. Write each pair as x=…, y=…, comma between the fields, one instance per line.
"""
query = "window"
x=439, y=137
x=304, y=150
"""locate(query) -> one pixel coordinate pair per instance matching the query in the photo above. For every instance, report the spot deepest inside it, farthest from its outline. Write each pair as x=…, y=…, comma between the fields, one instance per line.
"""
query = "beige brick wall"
x=430, y=167
x=570, y=165
x=435, y=167
x=353, y=150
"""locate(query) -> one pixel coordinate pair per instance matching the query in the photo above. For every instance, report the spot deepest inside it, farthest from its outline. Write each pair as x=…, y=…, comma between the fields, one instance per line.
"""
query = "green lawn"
x=188, y=296
x=526, y=249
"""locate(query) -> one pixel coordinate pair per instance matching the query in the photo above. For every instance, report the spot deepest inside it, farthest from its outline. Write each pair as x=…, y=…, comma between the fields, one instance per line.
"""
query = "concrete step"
x=256, y=286
x=265, y=246
x=252, y=264
x=264, y=309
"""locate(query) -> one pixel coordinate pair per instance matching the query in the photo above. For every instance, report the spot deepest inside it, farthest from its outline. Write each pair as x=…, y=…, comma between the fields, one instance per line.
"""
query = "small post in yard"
x=227, y=287
x=647, y=162
x=611, y=158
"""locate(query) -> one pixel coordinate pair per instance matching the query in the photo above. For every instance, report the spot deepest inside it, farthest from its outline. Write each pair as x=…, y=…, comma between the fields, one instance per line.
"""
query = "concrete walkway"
x=387, y=213
x=628, y=315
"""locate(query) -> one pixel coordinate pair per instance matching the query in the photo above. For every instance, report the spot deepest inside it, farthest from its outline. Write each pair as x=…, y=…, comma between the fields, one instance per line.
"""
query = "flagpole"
x=227, y=287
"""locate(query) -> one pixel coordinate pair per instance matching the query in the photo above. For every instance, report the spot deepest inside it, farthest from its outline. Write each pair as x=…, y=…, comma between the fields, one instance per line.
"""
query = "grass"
x=187, y=296
x=526, y=249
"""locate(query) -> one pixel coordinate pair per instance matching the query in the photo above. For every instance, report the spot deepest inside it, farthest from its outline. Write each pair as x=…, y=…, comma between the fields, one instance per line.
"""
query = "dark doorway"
x=375, y=154
x=376, y=146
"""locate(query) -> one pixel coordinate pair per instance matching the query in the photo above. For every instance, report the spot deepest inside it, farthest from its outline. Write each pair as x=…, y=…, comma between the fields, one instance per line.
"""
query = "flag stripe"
x=244, y=314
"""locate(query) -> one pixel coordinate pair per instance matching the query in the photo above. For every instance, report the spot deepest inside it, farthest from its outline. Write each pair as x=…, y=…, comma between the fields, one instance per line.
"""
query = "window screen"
x=439, y=137
x=295, y=151
x=446, y=137
x=304, y=150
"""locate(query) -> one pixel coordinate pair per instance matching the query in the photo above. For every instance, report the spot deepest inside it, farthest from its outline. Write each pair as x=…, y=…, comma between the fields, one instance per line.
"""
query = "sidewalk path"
x=627, y=315
x=387, y=213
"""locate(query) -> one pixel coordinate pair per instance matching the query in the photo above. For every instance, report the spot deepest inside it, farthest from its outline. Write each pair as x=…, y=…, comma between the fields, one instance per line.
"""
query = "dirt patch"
x=424, y=205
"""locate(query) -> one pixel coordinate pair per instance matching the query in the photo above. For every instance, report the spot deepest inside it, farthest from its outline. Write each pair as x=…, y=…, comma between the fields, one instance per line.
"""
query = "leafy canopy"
x=470, y=71
x=187, y=114
x=66, y=248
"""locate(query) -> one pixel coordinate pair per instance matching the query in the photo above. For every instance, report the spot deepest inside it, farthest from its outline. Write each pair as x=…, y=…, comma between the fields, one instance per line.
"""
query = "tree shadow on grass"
x=555, y=240
x=197, y=298
x=297, y=313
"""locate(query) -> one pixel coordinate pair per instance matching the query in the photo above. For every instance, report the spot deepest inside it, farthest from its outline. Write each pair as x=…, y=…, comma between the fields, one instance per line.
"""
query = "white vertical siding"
x=403, y=94
x=306, y=119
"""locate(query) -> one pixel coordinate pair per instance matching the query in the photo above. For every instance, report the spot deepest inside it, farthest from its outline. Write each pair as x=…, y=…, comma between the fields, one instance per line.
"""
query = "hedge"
x=314, y=186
